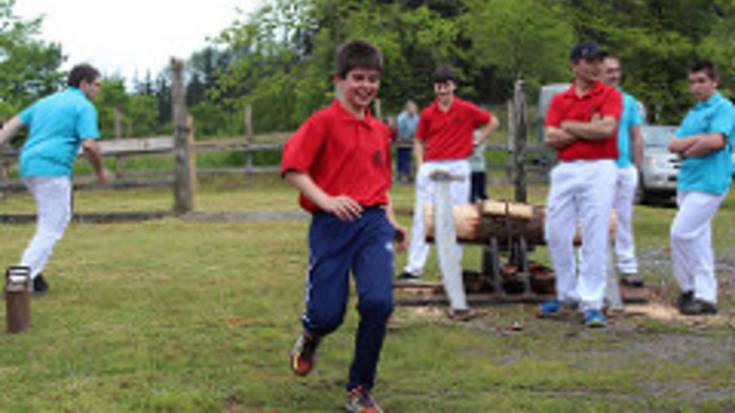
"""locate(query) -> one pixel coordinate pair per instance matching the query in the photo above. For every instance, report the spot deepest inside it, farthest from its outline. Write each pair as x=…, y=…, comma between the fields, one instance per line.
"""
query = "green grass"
x=176, y=316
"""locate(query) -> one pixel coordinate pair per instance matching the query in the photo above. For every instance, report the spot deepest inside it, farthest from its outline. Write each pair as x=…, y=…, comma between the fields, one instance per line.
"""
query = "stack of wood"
x=477, y=223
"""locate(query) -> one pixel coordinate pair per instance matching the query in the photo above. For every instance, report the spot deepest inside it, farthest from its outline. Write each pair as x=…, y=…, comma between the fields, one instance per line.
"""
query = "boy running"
x=339, y=160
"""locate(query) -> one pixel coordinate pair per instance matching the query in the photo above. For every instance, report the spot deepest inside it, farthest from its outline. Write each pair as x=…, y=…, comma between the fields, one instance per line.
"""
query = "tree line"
x=279, y=58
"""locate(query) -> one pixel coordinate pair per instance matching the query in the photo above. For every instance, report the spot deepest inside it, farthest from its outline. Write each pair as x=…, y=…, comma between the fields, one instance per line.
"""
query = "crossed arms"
x=570, y=131
x=697, y=145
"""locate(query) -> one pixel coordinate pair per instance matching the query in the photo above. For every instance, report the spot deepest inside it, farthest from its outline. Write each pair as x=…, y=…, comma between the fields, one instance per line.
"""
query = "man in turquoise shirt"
x=704, y=140
x=630, y=155
x=58, y=125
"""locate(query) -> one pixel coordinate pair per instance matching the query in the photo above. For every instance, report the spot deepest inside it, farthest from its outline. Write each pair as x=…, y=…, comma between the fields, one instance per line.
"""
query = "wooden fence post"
x=510, y=145
x=249, y=141
x=520, y=112
x=119, y=160
x=184, y=156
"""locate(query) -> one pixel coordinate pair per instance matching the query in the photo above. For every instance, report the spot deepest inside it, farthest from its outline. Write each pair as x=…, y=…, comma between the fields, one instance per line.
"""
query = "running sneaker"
x=359, y=400
x=303, y=354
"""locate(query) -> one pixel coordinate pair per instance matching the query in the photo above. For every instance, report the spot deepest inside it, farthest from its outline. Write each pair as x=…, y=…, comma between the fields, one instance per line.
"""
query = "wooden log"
x=476, y=224
x=466, y=222
x=511, y=209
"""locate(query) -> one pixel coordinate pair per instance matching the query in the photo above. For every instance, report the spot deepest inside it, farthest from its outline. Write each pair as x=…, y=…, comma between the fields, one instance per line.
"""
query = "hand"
x=103, y=176
x=401, y=238
x=344, y=207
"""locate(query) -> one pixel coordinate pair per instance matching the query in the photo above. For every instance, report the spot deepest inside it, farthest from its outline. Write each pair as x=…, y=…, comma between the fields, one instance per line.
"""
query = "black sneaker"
x=408, y=276
x=684, y=299
x=698, y=307
x=40, y=286
x=632, y=280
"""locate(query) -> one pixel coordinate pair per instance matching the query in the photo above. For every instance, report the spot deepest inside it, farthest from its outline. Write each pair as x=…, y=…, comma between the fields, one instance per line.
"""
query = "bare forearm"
x=637, y=141
x=558, y=139
x=418, y=151
x=488, y=129
x=593, y=130
x=10, y=128
x=705, y=144
x=680, y=145
x=306, y=186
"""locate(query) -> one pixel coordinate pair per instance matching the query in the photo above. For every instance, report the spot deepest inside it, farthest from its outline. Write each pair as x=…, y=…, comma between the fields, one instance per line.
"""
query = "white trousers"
x=580, y=190
x=459, y=193
x=691, y=244
x=53, y=205
x=625, y=187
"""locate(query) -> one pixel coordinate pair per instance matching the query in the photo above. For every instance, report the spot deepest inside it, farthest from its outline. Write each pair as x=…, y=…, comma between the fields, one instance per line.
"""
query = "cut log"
x=477, y=223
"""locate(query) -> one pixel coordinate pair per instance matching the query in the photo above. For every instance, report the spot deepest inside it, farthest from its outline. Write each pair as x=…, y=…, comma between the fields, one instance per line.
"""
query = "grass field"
x=179, y=316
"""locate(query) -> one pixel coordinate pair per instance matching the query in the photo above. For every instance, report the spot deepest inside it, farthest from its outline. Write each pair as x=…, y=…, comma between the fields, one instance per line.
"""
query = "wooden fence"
x=520, y=165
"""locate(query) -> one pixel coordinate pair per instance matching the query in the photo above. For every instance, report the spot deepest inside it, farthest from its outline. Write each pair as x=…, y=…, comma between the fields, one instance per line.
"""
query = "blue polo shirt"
x=406, y=124
x=630, y=118
x=711, y=173
x=57, y=124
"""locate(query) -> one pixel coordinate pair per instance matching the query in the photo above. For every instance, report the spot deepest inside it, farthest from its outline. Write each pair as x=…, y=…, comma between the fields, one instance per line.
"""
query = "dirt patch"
x=665, y=312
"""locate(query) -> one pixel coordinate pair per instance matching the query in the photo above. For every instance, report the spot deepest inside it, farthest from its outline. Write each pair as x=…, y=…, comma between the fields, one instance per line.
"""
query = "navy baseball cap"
x=585, y=50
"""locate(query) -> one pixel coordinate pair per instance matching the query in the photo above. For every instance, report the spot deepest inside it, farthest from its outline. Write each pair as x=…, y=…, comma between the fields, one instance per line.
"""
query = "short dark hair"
x=85, y=72
x=443, y=74
x=707, y=67
x=357, y=54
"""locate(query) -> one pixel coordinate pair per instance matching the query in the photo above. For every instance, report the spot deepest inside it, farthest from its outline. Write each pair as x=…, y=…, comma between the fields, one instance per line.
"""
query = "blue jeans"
x=403, y=158
x=365, y=247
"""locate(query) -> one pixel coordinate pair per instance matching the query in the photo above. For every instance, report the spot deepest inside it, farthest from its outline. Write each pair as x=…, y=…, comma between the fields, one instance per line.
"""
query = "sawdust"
x=654, y=310
x=665, y=312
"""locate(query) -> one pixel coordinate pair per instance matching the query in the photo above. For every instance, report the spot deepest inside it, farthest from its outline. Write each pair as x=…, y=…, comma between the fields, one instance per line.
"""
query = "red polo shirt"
x=343, y=155
x=600, y=100
x=448, y=135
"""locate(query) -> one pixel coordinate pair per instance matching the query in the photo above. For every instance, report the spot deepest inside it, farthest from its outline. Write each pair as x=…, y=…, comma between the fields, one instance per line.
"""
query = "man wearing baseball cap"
x=581, y=125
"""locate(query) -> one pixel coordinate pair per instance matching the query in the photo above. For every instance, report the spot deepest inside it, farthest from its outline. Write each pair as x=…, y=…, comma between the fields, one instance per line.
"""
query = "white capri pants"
x=580, y=189
x=691, y=244
x=625, y=187
x=53, y=205
x=459, y=193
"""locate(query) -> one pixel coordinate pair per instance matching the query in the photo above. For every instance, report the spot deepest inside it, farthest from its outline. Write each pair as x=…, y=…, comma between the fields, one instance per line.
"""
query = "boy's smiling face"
x=358, y=88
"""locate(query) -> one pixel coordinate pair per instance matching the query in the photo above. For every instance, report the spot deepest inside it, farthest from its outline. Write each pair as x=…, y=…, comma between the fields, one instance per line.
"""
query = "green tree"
x=111, y=97
x=521, y=39
x=31, y=69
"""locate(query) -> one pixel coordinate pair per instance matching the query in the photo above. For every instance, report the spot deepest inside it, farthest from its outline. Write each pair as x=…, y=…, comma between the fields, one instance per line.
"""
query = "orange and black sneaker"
x=359, y=400
x=303, y=354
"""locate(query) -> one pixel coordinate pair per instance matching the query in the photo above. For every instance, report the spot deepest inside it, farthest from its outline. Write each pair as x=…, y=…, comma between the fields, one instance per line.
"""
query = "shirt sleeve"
x=26, y=116
x=723, y=122
x=479, y=116
x=554, y=113
x=303, y=147
x=87, y=123
x=635, y=113
x=422, y=127
x=612, y=105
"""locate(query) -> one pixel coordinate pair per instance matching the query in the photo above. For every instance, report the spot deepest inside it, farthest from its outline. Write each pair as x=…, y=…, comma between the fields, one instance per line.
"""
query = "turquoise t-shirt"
x=57, y=124
x=477, y=160
x=630, y=118
x=711, y=173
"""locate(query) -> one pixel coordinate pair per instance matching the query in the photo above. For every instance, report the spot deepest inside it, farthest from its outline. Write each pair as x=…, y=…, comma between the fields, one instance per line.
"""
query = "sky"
x=125, y=37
